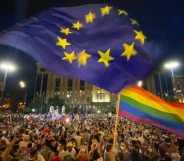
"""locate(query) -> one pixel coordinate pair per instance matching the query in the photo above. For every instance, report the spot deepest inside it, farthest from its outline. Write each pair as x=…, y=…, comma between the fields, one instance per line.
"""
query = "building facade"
x=76, y=92
x=49, y=85
x=179, y=88
x=73, y=91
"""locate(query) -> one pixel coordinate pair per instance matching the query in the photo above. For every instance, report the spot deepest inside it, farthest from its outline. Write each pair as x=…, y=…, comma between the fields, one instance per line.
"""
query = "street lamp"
x=140, y=83
x=172, y=65
x=23, y=85
x=6, y=67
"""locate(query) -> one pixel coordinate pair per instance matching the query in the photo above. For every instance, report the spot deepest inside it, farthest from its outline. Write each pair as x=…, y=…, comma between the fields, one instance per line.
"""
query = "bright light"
x=8, y=66
x=171, y=64
x=140, y=83
x=67, y=95
x=33, y=110
x=67, y=120
x=22, y=84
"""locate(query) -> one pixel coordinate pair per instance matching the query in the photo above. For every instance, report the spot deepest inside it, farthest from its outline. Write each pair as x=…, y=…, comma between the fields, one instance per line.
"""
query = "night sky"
x=162, y=21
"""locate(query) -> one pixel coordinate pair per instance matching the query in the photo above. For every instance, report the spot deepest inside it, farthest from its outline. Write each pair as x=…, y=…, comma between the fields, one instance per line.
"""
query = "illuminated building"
x=179, y=88
x=76, y=92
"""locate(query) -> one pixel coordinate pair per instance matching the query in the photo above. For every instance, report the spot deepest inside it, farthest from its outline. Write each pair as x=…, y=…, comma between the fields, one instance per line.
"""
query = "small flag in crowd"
x=96, y=43
x=142, y=106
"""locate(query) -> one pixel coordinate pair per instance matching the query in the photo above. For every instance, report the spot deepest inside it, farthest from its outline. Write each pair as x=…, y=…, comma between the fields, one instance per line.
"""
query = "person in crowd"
x=71, y=150
x=83, y=153
x=84, y=138
x=78, y=140
x=35, y=156
x=107, y=153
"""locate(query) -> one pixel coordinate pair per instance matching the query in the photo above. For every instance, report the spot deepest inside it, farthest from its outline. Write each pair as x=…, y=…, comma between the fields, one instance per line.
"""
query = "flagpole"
x=116, y=121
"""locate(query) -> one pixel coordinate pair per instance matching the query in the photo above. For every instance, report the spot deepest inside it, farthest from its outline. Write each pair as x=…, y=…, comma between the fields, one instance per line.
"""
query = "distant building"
x=179, y=88
x=72, y=90
x=166, y=87
x=76, y=92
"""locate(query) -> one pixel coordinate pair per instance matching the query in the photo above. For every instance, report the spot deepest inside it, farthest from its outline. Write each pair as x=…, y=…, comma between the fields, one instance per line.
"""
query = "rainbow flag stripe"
x=142, y=106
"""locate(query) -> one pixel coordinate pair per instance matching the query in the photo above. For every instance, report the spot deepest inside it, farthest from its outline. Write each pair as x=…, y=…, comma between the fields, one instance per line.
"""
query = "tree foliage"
x=37, y=104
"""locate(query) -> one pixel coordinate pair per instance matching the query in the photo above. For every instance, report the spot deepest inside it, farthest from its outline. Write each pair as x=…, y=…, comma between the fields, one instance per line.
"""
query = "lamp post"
x=23, y=85
x=171, y=65
x=6, y=67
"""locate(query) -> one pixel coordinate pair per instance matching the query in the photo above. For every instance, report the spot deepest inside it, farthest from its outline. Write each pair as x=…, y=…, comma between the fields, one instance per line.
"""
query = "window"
x=82, y=85
x=57, y=82
x=57, y=86
x=42, y=70
x=101, y=96
x=70, y=83
x=44, y=84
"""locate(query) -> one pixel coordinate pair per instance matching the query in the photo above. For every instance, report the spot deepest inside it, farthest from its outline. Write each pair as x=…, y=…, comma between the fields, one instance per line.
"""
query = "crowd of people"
x=84, y=138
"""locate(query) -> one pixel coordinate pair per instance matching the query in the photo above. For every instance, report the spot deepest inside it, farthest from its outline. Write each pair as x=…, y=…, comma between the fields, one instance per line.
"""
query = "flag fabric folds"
x=95, y=43
x=142, y=106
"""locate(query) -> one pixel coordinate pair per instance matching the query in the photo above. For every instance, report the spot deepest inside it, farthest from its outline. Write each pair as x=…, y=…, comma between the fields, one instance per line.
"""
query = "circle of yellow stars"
x=105, y=57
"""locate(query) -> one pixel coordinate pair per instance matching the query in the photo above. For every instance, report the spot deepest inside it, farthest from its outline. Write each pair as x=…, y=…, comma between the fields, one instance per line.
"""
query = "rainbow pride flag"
x=141, y=106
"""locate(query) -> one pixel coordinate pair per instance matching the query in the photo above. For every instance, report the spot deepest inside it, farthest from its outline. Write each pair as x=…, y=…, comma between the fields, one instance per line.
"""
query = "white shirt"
x=72, y=153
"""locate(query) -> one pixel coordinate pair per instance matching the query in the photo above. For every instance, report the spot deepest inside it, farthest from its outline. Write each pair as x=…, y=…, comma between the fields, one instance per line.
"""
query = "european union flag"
x=96, y=43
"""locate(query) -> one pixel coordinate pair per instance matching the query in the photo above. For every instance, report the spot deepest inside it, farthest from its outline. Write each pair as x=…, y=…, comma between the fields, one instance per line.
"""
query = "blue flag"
x=95, y=43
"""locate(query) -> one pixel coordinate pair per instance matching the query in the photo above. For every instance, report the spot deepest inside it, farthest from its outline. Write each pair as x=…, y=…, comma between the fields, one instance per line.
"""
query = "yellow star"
x=105, y=57
x=129, y=51
x=105, y=10
x=69, y=56
x=62, y=42
x=90, y=17
x=66, y=31
x=140, y=36
x=123, y=12
x=77, y=25
x=134, y=22
x=82, y=57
